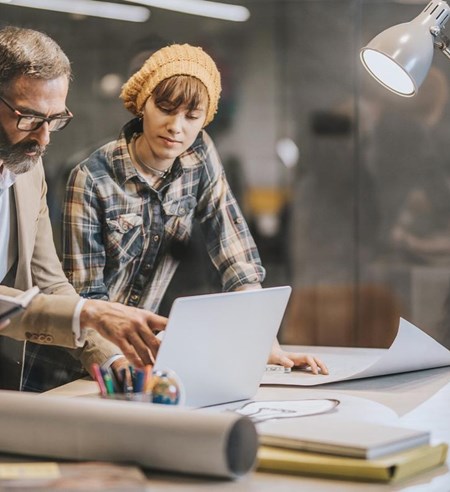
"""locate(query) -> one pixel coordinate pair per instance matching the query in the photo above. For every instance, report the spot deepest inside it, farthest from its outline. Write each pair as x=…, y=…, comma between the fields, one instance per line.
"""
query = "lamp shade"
x=400, y=57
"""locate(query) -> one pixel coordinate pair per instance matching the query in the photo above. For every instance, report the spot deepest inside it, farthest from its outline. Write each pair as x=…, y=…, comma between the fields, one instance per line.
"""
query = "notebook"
x=218, y=344
x=357, y=439
x=9, y=306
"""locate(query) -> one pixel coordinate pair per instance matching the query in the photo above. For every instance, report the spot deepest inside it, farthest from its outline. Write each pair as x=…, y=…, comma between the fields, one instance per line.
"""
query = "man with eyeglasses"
x=32, y=122
x=34, y=81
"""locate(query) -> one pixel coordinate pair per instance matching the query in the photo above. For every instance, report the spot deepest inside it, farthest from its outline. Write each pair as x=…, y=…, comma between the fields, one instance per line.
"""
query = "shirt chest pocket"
x=124, y=236
x=179, y=216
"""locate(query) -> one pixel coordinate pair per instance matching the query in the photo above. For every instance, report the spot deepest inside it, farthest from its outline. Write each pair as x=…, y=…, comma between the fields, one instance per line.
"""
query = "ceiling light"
x=93, y=8
x=216, y=10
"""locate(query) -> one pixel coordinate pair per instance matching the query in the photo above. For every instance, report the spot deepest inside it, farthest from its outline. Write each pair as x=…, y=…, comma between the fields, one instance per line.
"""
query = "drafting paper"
x=412, y=350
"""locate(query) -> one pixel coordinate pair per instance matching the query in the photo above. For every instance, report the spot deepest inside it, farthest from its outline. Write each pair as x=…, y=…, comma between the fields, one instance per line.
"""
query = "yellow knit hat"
x=177, y=59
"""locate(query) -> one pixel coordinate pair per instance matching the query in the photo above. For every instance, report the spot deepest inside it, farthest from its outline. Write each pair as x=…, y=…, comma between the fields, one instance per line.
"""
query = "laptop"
x=218, y=344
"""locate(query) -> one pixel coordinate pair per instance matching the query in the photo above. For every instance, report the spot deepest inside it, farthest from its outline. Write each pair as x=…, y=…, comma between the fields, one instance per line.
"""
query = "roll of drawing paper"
x=151, y=436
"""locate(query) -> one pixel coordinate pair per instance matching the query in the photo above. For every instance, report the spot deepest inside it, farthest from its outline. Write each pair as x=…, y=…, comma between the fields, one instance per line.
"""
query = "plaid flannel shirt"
x=123, y=237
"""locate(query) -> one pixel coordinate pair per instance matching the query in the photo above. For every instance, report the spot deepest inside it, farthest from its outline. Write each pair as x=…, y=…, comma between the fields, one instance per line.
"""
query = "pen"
x=116, y=383
x=99, y=378
x=139, y=381
x=132, y=376
x=126, y=388
x=148, y=378
x=108, y=381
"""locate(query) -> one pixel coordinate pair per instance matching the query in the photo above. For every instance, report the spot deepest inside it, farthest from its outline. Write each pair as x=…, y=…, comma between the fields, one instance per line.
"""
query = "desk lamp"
x=399, y=58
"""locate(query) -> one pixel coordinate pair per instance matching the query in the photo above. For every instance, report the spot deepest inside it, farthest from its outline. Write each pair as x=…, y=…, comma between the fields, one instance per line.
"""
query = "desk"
x=417, y=399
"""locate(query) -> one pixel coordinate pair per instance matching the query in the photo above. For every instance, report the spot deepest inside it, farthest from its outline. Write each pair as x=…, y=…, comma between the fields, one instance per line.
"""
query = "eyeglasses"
x=31, y=122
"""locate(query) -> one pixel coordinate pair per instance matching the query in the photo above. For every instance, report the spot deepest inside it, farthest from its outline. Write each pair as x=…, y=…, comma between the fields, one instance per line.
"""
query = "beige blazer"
x=49, y=318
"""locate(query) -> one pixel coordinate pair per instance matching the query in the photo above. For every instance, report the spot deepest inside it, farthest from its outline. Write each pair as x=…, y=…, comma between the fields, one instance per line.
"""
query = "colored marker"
x=132, y=375
x=116, y=383
x=139, y=381
x=126, y=388
x=99, y=378
x=108, y=381
x=148, y=378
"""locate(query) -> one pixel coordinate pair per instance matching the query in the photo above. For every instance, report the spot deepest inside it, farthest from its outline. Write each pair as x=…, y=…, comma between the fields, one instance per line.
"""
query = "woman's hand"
x=291, y=359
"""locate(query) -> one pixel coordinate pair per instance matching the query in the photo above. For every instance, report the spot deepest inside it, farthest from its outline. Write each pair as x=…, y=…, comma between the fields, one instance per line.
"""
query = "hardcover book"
x=391, y=468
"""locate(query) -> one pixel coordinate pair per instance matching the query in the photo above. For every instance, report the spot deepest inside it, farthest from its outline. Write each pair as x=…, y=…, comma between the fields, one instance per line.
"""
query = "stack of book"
x=354, y=450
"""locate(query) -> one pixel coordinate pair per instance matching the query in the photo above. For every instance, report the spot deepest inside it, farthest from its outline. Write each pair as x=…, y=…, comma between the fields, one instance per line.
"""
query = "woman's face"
x=169, y=132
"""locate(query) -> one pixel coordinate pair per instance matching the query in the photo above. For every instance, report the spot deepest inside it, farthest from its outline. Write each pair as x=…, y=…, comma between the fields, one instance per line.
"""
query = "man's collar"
x=7, y=178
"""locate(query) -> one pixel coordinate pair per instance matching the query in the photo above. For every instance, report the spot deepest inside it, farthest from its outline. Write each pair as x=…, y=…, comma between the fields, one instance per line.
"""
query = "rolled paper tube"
x=154, y=436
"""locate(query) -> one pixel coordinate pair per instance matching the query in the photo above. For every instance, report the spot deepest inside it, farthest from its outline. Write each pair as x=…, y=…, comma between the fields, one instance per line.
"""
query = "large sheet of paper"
x=412, y=350
x=151, y=436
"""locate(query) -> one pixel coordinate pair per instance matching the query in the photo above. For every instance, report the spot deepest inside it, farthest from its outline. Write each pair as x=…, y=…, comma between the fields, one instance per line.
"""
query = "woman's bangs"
x=181, y=90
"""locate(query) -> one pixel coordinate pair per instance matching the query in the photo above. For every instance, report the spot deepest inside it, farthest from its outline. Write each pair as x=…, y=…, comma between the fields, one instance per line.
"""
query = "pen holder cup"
x=140, y=397
x=164, y=387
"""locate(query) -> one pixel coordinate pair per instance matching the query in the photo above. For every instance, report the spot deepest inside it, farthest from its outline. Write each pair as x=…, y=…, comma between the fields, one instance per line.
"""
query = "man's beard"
x=14, y=157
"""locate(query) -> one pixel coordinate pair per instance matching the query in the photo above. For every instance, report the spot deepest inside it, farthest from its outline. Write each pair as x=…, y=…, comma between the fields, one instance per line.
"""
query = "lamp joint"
x=441, y=41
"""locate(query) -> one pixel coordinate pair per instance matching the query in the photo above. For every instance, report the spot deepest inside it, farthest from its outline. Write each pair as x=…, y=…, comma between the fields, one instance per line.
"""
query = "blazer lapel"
x=26, y=224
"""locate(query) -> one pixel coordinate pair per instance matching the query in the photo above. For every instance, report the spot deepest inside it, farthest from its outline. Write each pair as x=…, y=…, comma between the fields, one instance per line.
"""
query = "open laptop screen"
x=218, y=344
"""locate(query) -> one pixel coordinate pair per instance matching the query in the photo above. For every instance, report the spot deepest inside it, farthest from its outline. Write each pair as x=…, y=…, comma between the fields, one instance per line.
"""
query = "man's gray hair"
x=30, y=53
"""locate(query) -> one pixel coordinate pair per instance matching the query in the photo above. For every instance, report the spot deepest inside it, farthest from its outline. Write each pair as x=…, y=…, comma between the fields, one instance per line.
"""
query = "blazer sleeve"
x=47, y=320
x=96, y=349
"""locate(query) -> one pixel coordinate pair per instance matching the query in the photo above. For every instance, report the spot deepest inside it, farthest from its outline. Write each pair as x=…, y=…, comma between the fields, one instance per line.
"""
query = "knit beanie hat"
x=173, y=60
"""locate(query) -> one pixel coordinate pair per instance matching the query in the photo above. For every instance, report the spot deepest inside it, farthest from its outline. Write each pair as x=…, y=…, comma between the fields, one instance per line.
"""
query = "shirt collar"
x=123, y=167
x=7, y=178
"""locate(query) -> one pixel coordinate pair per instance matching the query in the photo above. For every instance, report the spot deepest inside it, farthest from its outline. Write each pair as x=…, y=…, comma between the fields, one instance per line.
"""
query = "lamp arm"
x=441, y=41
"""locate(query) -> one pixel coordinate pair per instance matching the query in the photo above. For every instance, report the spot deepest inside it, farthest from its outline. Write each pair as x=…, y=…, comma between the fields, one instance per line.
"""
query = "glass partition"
x=345, y=186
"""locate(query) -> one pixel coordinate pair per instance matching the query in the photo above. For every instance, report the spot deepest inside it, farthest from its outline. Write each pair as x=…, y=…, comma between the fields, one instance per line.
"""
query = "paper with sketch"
x=263, y=411
x=161, y=437
x=412, y=350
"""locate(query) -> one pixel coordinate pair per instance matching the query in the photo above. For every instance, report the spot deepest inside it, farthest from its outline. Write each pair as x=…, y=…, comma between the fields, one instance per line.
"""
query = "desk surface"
x=418, y=399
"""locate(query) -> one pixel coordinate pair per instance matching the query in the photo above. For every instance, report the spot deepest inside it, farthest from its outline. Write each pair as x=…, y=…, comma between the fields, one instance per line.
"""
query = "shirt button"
x=239, y=220
x=135, y=298
x=182, y=211
x=156, y=238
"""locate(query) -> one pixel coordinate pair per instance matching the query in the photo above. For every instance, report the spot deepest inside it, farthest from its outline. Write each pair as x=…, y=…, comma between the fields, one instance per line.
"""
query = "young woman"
x=131, y=205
